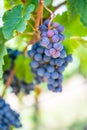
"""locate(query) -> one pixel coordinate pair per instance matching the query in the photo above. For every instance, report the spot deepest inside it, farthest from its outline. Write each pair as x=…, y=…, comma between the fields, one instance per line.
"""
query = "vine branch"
x=8, y=82
x=39, y=13
x=63, y=3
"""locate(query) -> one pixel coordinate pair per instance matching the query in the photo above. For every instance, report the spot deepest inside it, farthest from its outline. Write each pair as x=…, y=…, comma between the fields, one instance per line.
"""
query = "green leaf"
x=47, y=2
x=14, y=20
x=82, y=55
x=7, y=63
x=3, y=52
x=2, y=39
x=78, y=7
x=22, y=69
x=73, y=28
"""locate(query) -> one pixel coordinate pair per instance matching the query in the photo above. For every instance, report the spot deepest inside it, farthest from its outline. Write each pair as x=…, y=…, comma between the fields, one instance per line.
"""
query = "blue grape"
x=50, y=69
x=40, y=71
x=40, y=50
x=44, y=34
x=61, y=68
x=59, y=62
x=50, y=81
x=47, y=75
x=38, y=57
x=69, y=58
x=34, y=64
x=31, y=53
x=46, y=22
x=43, y=28
x=55, y=75
x=8, y=117
x=47, y=52
x=46, y=58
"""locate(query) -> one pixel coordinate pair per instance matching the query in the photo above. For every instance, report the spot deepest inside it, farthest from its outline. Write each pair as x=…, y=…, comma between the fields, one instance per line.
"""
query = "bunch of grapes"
x=16, y=84
x=49, y=58
x=8, y=117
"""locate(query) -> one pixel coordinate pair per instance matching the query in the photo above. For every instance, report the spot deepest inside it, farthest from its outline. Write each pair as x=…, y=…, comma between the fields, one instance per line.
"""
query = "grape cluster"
x=8, y=117
x=49, y=57
x=17, y=85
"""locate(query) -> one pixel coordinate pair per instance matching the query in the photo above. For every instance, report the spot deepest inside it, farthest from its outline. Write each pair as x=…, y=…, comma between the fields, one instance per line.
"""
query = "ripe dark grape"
x=8, y=117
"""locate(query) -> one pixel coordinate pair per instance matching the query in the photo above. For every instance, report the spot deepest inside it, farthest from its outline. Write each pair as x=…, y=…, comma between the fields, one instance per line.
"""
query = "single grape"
x=55, y=75
x=50, y=69
x=55, y=38
x=40, y=71
x=50, y=33
x=44, y=42
x=38, y=57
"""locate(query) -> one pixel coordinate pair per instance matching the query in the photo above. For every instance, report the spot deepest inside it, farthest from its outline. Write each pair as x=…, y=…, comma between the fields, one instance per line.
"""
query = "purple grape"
x=55, y=38
x=60, y=28
x=50, y=33
x=56, y=55
x=44, y=42
x=52, y=51
x=56, y=25
x=55, y=32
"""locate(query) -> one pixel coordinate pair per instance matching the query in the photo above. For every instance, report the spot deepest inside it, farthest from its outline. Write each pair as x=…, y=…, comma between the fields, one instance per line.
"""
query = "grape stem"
x=39, y=13
x=53, y=13
x=9, y=81
x=47, y=9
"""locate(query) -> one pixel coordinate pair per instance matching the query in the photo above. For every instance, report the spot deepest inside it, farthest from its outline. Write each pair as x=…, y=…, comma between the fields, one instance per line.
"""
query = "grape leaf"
x=22, y=68
x=2, y=39
x=72, y=28
x=3, y=52
x=14, y=20
x=82, y=53
x=7, y=63
x=47, y=2
x=78, y=7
